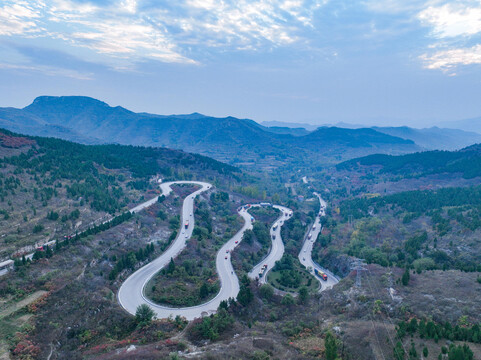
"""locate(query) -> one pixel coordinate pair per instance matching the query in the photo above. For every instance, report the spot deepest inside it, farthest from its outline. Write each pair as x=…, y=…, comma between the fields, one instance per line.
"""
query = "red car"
x=236, y=242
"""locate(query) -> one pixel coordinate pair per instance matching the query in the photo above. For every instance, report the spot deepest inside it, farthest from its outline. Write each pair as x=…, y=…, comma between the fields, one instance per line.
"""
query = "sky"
x=375, y=62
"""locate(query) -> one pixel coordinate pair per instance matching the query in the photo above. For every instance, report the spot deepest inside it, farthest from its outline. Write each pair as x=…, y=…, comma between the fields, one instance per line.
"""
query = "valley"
x=240, y=180
x=184, y=274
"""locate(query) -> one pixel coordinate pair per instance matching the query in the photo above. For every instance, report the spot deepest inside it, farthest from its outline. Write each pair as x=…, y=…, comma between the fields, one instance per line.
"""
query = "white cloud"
x=119, y=32
x=17, y=19
x=129, y=6
x=451, y=20
x=453, y=26
x=135, y=30
x=243, y=24
x=127, y=39
x=447, y=60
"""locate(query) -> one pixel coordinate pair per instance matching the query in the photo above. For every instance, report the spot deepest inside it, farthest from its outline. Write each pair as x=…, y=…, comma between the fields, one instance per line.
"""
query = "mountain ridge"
x=226, y=139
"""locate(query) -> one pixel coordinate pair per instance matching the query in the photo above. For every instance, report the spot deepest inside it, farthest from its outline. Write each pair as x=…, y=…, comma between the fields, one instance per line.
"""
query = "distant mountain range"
x=473, y=124
x=291, y=125
x=433, y=138
x=238, y=141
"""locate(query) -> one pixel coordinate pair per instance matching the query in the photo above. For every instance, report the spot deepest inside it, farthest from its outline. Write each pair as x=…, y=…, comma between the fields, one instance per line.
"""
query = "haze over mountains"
x=229, y=139
x=434, y=138
x=450, y=135
x=473, y=124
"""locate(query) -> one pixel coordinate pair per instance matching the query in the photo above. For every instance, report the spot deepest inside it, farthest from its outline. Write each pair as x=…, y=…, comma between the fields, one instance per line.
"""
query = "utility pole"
x=359, y=266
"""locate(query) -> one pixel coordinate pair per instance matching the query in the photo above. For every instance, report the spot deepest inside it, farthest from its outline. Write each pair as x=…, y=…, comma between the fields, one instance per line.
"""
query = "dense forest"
x=464, y=202
x=466, y=161
x=50, y=187
x=89, y=167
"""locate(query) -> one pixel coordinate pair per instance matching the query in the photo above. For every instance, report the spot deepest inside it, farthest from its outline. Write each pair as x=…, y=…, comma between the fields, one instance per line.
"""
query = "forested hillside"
x=423, y=230
x=49, y=186
x=466, y=162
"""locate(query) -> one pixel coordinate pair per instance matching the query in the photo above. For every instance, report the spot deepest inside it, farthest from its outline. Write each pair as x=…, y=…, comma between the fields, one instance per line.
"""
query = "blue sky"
x=378, y=62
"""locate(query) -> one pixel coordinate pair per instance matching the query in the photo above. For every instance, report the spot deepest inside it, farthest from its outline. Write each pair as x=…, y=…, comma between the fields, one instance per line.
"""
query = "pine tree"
x=48, y=252
x=406, y=277
x=171, y=267
x=203, y=291
x=303, y=294
x=425, y=352
x=245, y=295
x=144, y=314
x=399, y=351
x=413, y=354
x=331, y=346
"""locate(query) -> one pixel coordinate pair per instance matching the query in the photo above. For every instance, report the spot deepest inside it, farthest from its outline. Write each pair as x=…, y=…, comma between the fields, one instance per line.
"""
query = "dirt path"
x=22, y=303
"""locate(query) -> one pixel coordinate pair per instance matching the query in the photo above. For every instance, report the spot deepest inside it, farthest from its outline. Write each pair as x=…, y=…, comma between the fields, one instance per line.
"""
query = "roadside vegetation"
x=289, y=274
x=255, y=243
x=191, y=279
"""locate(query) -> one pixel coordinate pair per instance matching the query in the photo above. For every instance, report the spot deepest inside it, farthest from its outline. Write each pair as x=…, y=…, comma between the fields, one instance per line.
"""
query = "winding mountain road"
x=305, y=255
x=277, y=247
x=131, y=293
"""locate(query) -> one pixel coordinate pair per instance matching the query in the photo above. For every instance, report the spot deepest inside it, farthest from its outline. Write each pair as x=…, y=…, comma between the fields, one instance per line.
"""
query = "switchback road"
x=131, y=293
x=277, y=246
x=305, y=256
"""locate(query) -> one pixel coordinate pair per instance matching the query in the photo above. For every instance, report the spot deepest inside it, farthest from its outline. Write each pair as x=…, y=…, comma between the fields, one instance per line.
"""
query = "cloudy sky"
x=373, y=61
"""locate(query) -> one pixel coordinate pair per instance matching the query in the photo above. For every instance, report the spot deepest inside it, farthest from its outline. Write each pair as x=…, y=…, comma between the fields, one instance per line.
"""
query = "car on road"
x=226, y=257
x=236, y=241
x=227, y=251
